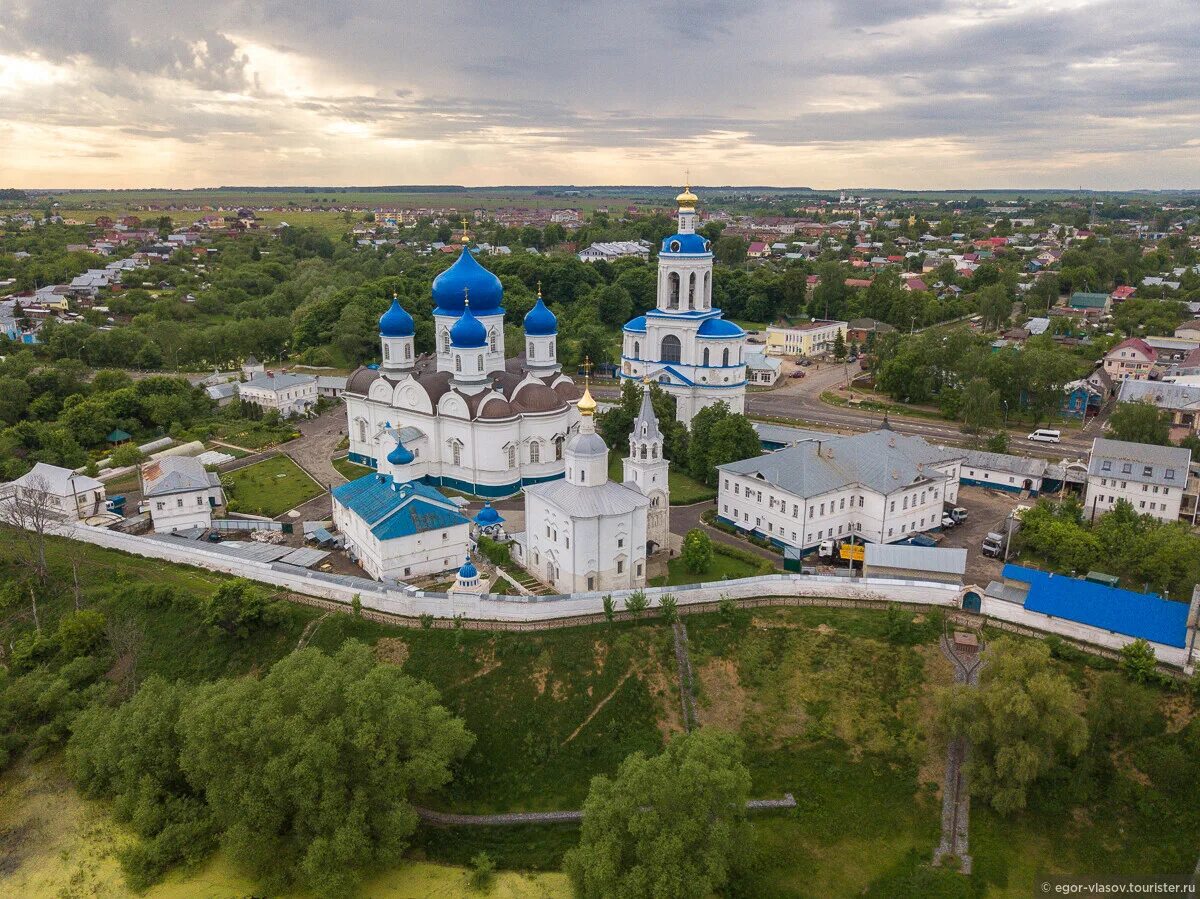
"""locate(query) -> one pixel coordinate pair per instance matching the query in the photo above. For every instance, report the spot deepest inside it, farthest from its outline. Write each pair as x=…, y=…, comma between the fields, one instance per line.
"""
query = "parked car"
x=948, y=521
x=797, y=374
x=806, y=362
x=959, y=514
x=1045, y=435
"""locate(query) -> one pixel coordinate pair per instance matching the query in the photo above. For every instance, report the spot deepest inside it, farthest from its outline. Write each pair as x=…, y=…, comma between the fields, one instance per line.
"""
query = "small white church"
x=586, y=532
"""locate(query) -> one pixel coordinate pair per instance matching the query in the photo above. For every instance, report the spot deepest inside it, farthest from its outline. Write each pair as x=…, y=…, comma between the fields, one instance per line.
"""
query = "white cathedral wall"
x=595, y=546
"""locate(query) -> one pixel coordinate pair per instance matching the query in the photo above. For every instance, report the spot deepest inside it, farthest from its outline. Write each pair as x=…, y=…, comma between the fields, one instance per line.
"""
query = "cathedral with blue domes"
x=464, y=417
x=684, y=344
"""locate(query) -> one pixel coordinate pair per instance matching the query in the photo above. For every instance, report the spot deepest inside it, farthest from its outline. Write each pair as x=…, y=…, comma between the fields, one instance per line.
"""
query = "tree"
x=717, y=437
x=669, y=825
x=33, y=512
x=1022, y=721
x=697, y=551
x=997, y=443
x=356, y=739
x=125, y=455
x=610, y=608
x=1138, y=660
x=980, y=406
x=839, y=347
x=668, y=607
x=636, y=603
x=1141, y=423
x=237, y=607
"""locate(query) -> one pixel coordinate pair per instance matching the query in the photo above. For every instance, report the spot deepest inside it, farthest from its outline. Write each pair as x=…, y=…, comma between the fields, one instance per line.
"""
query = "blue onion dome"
x=468, y=572
x=401, y=455
x=686, y=243
x=396, y=322
x=540, y=321
x=636, y=325
x=487, y=515
x=466, y=274
x=719, y=327
x=468, y=332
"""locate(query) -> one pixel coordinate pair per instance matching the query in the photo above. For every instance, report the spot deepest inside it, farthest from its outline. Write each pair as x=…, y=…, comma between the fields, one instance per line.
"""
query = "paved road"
x=313, y=450
x=684, y=518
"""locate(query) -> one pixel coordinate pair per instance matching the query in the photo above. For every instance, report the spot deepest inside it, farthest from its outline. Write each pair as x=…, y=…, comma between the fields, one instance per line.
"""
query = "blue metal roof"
x=486, y=292
x=540, y=321
x=394, y=509
x=468, y=332
x=719, y=327
x=1145, y=615
x=636, y=325
x=396, y=322
x=687, y=243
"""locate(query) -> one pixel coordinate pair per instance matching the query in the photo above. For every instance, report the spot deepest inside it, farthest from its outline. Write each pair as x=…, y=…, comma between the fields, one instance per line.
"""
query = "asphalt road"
x=799, y=401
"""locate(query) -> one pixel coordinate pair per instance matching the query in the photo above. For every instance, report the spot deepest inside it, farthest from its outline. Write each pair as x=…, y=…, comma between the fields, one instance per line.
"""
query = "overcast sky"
x=825, y=93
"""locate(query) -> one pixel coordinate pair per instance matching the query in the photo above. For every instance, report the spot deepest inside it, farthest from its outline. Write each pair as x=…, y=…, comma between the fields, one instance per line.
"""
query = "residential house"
x=858, y=330
x=288, y=394
x=1189, y=330
x=1090, y=303
x=609, y=250
x=1082, y=399
x=1181, y=401
x=1150, y=478
x=1000, y=471
x=1131, y=359
x=49, y=491
x=758, y=250
x=330, y=385
x=1122, y=293
x=180, y=493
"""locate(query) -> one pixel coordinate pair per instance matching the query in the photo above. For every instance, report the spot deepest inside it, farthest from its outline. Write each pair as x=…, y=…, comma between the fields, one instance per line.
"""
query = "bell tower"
x=646, y=468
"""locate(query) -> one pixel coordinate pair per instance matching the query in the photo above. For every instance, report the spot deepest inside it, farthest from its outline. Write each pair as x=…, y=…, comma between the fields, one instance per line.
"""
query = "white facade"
x=646, y=468
x=684, y=344
x=1150, y=478
x=585, y=532
x=48, y=491
x=615, y=250
x=180, y=493
x=815, y=338
x=878, y=487
x=287, y=394
x=474, y=421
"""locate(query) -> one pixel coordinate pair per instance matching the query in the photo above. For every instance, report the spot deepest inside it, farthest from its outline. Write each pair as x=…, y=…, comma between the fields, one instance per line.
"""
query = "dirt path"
x=309, y=630
x=594, y=712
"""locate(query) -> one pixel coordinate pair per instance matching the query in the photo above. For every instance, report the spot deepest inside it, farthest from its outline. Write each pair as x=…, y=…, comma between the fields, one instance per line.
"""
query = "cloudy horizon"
x=910, y=94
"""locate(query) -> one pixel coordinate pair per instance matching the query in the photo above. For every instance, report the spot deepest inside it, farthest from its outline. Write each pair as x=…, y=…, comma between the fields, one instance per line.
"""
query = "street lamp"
x=913, y=326
x=1005, y=412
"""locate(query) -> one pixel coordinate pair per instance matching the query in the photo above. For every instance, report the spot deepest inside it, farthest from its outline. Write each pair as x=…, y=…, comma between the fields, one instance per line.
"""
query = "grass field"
x=253, y=435
x=835, y=706
x=270, y=487
x=721, y=568
x=685, y=489
x=351, y=470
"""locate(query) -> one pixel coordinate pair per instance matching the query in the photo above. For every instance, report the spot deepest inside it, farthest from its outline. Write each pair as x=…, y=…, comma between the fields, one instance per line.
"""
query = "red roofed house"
x=913, y=284
x=1123, y=293
x=1130, y=360
x=758, y=250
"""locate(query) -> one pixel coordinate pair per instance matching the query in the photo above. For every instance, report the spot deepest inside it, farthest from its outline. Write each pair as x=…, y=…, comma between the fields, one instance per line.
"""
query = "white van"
x=1045, y=435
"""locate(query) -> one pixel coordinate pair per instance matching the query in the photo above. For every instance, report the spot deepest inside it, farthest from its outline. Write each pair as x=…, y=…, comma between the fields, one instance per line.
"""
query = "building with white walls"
x=878, y=487
x=180, y=493
x=1150, y=478
x=289, y=395
x=684, y=344
x=48, y=491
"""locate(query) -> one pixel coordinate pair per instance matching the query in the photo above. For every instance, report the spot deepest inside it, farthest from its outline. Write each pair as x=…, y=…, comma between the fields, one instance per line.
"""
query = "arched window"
x=386, y=355
x=637, y=349
x=673, y=290
x=725, y=356
x=457, y=363
x=706, y=355
x=492, y=340
x=558, y=449
x=535, y=452
x=706, y=299
x=481, y=361
x=456, y=453
x=407, y=351
x=529, y=352
x=444, y=340
x=654, y=451
x=512, y=456
x=643, y=452
x=692, y=290
x=362, y=430
x=552, y=349
x=671, y=348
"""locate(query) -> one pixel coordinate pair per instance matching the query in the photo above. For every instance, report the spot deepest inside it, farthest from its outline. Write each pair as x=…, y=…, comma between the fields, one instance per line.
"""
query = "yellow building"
x=813, y=338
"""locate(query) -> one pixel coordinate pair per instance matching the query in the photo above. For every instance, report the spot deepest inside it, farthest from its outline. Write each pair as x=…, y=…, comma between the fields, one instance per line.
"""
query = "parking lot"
x=986, y=511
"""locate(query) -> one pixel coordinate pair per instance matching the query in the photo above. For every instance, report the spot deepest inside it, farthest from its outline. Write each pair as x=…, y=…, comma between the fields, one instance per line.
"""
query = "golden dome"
x=586, y=405
x=687, y=199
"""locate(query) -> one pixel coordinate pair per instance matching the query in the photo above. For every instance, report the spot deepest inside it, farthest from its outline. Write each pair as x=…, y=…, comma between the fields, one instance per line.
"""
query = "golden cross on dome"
x=539, y=293
x=587, y=366
x=466, y=297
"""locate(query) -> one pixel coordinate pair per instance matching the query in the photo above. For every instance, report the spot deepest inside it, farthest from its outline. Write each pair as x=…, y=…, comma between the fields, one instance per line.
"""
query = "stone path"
x=684, y=518
x=956, y=793
x=449, y=819
x=684, y=665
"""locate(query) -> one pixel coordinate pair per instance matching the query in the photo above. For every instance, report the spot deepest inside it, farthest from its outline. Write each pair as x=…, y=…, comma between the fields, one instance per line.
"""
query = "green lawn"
x=721, y=568
x=253, y=435
x=270, y=487
x=685, y=489
x=351, y=470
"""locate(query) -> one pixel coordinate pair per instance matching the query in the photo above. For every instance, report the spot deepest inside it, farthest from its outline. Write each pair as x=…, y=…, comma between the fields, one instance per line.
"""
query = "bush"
x=697, y=551
x=483, y=871
x=125, y=455
x=669, y=608
x=1138, y=661
x=79, y=632
x=636, y=603
x=495, y=552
